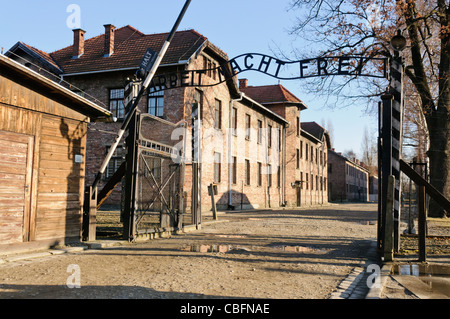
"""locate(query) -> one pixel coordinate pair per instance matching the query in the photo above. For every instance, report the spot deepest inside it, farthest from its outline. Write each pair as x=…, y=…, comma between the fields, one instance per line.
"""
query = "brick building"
x=348, y=179
x=306, y=145
x=253, y=147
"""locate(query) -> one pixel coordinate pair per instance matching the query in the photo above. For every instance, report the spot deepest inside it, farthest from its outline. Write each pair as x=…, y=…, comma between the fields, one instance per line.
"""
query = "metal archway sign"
x=375, y=67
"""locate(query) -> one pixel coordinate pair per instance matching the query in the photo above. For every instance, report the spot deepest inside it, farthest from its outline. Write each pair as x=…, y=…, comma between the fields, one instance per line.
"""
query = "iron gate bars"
x=159, y=189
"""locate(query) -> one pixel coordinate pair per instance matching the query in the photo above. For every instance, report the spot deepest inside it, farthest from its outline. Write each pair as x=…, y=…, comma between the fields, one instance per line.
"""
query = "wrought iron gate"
x=158, y=192
x=156, y=178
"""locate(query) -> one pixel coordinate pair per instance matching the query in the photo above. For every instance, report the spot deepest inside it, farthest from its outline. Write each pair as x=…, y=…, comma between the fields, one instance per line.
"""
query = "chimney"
x=109, y=40
x=78, y=43
x=243, y=83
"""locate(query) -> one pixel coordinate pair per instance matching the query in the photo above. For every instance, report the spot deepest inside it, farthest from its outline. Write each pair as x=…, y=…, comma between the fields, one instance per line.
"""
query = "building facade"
x=306, y=145
x=348, y=179
x=253, y=146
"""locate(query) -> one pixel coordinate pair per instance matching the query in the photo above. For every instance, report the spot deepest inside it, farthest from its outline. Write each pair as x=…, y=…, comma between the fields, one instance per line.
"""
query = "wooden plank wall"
x=58, y=182
x=61, y=180
x=27, y=122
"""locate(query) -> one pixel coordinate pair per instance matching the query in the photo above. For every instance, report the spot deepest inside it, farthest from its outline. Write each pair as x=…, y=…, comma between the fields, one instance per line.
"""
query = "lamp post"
x=391, y=137
x=398, y=42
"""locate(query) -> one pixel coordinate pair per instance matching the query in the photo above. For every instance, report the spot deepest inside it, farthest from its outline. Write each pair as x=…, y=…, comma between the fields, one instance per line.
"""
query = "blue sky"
x=235, y=26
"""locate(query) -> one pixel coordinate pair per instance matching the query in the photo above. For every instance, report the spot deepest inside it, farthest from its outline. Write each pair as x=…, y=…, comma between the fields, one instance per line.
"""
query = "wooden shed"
x=43, y=129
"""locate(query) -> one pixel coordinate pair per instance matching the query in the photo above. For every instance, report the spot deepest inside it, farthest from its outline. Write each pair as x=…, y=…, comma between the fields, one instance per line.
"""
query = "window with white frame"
x=156, y=102
x=116, y=103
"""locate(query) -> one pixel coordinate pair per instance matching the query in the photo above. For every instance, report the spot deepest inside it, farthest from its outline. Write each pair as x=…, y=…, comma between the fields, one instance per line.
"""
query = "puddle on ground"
x=224, y=248
x=207, y=248
x=437, y=277
x=298, y=249
x=422, y=270
x=367, y=222
x=231, y=236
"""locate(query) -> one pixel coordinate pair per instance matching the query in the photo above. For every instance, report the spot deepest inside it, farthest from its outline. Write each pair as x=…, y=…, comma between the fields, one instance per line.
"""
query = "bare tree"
x=365, y=28
x=369, y=150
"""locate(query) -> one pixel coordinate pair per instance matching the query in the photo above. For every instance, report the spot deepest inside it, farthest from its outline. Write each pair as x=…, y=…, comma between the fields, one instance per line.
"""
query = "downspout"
x=321, y=162
x=230, y=145
x=283, y=166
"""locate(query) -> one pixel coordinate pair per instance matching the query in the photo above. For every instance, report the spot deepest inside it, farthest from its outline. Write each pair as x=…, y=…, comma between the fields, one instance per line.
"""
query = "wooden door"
x=299, y=196
x=16, y=161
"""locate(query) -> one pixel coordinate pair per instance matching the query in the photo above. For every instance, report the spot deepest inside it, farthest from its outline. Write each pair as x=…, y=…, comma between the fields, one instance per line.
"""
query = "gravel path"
x=279, y=254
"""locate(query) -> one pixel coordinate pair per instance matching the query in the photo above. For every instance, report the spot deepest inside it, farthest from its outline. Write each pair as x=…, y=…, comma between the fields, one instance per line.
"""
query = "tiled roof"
x=268, y=94
x=316, y=130
x=313, y=128
x=43, y=55
x=129, y=49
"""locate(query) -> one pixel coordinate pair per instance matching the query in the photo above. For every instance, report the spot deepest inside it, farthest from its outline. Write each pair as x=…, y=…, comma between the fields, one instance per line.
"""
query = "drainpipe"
x=230, y=145
x=283, y=165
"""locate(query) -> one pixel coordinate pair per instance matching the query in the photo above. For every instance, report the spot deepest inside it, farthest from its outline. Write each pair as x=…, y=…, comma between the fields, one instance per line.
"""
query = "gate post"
x=129, y=209
x=391, y=146
x=389, y=224
x=386, y=157
x=396, y=87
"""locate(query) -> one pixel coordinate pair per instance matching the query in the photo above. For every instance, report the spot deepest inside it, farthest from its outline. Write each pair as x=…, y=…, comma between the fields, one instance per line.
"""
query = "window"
x=115, y=162
x=154, y=165
x=198, y=98
x=259, y=174
x=247, y=126
x=298, y=126
x=116, y=102
x=317, y=182
x=306, y=181
x=247, y=172
x=279, y=139
x=301, y=180
x=218, y=115
x=269, y=171
x=209, y=66
x=269, y=139
x=234, y=169
x=156, y=102
x=278, y=176
x=217, y=167
x=312, y=153
x=234, y=121
x=260, y=132
x=306, y=149
x=301, y=149
x=298, y=158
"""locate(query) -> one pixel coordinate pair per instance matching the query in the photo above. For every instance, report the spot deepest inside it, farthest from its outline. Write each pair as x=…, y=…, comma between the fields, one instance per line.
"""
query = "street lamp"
x=398, y=42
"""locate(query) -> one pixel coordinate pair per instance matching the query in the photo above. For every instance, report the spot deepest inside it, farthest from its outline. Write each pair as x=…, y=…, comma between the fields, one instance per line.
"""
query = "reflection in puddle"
x=224, y=248
x=298, y=249
x=437, y=277
x=421, y=270
x=207, y=248
x=231, y=236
